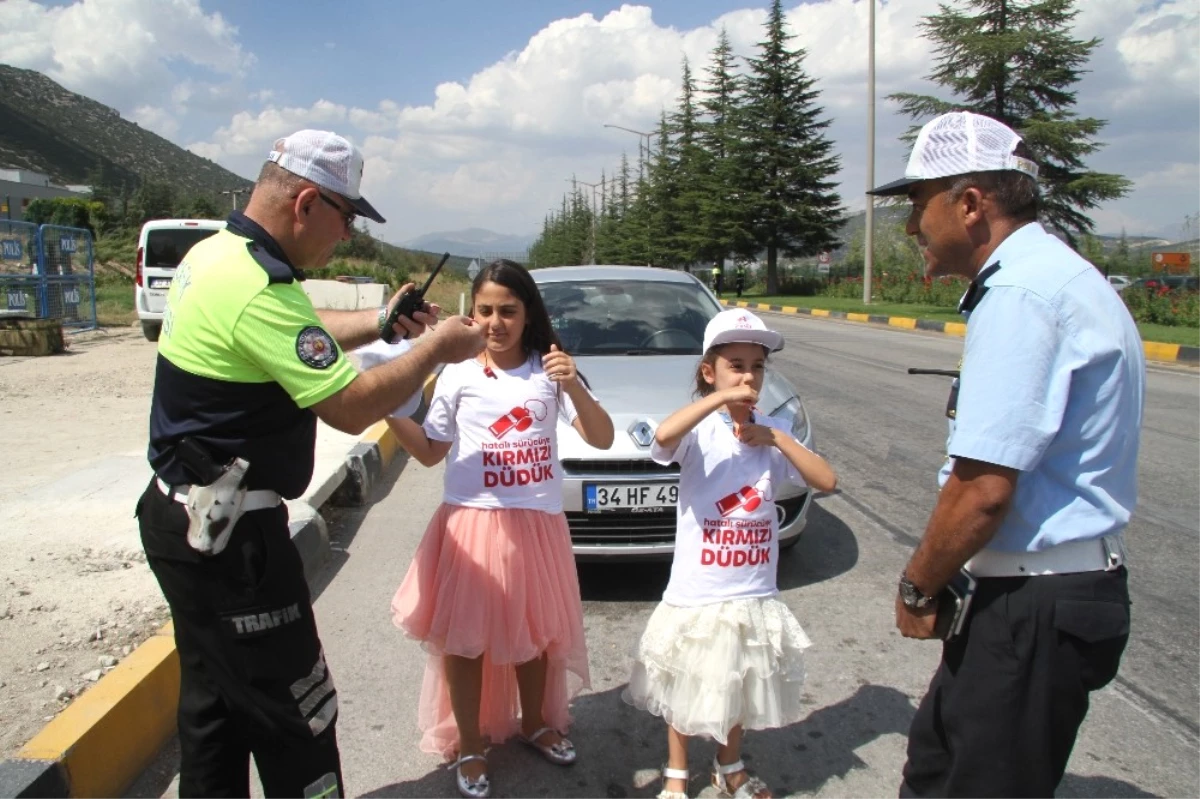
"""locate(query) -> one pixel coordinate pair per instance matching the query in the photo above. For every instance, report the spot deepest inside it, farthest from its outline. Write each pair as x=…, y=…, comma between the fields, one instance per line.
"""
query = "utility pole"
x=869, y=221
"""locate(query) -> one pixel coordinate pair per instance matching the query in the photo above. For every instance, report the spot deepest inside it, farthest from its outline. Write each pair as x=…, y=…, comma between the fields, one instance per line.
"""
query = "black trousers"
x=253, y=677
x=1006, y=702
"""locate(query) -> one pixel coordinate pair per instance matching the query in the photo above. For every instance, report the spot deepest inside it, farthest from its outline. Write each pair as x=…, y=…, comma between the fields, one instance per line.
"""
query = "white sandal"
x=672, y=774
x=478, y=788
x=560, y=754
x=752, y=788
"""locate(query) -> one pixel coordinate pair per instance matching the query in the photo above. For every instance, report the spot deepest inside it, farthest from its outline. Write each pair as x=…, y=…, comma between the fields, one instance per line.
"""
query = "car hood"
x=646, y=388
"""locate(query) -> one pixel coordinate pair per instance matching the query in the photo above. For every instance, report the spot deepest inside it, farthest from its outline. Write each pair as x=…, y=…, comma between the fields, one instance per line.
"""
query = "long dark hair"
x=538, y=334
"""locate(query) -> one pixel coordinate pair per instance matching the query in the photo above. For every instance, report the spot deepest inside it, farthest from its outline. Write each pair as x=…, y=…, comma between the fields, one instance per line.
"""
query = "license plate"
x=160, y=282
x=601, y=497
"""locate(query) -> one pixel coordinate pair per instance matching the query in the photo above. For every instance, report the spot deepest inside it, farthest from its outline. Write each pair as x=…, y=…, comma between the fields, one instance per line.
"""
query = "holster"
x=214, y=500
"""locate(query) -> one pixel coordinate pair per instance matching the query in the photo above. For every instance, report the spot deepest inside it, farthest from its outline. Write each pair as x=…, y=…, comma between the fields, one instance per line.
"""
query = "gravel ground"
x=75, y=593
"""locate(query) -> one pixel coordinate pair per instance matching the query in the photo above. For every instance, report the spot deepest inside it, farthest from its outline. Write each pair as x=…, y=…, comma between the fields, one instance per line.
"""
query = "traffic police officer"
x=716, y=278
x=1042, y=478
x=245, y=368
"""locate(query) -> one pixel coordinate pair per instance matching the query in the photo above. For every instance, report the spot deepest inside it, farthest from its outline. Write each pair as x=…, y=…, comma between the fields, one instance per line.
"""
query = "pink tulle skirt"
x=501, y=584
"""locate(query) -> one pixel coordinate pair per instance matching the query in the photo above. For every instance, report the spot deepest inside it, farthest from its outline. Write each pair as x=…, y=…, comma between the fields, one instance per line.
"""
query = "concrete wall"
x=340, y=296
x=18, y=195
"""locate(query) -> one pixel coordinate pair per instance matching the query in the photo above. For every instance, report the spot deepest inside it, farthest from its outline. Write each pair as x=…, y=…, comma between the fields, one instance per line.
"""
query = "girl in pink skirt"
x=492, y=591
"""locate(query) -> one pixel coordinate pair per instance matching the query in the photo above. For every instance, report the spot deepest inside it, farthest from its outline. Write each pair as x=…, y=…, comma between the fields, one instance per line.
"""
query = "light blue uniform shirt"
x=1052, y=384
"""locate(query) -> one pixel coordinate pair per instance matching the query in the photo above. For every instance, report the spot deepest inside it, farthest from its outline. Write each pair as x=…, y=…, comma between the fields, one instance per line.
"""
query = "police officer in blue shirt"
x=1042, y=477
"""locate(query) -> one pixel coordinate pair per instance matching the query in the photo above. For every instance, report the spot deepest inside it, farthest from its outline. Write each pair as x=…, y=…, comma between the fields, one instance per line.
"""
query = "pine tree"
x=786, y=162
x=1016, y=62
x=687, y=239
x=662, y=199
x=724, y=220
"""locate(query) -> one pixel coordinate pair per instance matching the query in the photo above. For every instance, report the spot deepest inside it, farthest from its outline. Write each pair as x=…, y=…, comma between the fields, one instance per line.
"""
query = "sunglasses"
x=347, y=216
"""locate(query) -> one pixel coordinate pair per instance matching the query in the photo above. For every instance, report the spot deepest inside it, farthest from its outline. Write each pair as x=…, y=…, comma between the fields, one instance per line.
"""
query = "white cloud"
x=125, y=53
x=158, y=120
x=494, y=150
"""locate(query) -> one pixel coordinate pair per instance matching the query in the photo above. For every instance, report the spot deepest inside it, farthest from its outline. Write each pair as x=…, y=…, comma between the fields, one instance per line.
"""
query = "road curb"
x=1154, y=350
x=101, y=742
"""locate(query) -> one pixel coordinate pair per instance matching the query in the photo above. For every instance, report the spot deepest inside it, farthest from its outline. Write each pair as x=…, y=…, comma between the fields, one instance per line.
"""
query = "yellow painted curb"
x=111, y=733
x=1154, y=350
x=381, y=435
x=1157, y=351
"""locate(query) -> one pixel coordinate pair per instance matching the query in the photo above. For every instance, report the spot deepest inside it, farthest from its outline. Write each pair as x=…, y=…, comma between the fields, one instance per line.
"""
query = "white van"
x=161, y=246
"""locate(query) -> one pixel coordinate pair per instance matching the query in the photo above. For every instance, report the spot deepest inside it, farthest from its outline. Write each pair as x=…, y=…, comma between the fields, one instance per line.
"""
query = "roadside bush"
x=1163, y=306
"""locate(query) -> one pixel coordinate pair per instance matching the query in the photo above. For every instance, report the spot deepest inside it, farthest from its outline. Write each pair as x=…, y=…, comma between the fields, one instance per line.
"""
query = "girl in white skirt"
x=721, y=654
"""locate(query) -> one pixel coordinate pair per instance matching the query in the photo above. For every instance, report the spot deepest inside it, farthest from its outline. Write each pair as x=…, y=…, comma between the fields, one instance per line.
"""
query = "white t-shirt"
x=726, y=544
x=505, y=452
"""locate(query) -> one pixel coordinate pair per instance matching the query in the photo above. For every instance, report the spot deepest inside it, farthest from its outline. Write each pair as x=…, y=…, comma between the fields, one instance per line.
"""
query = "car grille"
x=620, y=527
x=618, y=467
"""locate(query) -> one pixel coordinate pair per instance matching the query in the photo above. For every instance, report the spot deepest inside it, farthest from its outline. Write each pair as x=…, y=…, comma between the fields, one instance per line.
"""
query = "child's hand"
x=559, y=366
x=755, y=435
x=740, y=395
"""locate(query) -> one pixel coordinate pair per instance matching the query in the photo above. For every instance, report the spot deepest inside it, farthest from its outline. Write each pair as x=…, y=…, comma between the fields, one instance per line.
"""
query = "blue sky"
x=475, y=114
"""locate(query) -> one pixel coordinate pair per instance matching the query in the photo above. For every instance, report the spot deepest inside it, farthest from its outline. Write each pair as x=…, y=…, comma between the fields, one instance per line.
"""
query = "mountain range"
x=76, y=140
x=472, y=243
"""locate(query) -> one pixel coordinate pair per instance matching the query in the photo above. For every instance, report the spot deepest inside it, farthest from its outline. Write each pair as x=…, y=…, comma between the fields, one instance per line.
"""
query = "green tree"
x=724, y=221
x=686, y=239
x=786, y=162
x=1016, y=61
x=204, y=207
x=152, y=201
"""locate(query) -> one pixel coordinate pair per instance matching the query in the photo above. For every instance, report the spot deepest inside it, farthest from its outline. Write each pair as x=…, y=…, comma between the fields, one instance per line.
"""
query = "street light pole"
x=643, y=135
x=233, y=193
x=869, y=221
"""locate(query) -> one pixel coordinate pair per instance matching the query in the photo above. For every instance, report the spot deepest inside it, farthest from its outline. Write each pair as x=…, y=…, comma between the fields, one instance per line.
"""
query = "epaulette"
x=277, y=271
x=976, y=290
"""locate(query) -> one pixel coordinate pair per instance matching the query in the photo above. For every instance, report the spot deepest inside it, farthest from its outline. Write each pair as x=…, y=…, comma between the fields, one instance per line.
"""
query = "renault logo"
x=642, y=434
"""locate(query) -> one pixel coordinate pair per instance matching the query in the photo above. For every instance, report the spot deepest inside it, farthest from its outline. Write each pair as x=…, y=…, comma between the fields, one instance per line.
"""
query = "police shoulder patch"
x=316, y=348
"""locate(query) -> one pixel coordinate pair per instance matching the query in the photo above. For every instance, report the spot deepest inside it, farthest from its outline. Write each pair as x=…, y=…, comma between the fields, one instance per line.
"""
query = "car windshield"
x=166, y=247
x=629, y=317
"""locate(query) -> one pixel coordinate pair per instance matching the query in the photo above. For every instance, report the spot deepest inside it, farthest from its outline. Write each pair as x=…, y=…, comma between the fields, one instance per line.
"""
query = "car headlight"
x=792, y=413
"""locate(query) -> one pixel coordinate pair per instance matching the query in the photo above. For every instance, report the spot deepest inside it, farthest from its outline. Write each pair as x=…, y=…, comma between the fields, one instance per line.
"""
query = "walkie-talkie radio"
x=409, y=303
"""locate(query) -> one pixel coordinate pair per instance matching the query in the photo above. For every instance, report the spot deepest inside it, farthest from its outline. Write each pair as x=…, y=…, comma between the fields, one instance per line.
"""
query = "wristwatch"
x=911, y=596
x=383, y=315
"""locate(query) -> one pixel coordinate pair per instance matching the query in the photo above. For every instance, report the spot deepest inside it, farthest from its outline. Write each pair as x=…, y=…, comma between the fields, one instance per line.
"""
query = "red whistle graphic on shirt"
x=746, y=497
x=520, y=418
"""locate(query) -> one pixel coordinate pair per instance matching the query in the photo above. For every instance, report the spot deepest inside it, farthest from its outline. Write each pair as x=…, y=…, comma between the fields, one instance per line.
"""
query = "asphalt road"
x=884, y=432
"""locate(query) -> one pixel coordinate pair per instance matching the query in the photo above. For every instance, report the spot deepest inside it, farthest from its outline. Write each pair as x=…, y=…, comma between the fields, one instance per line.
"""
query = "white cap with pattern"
x=960, y=143
x=739, y=326
x=328, y=160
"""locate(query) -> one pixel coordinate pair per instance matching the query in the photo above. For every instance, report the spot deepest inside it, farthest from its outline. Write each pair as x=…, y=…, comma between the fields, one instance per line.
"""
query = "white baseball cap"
x=327, y=160
x=959, y=143
x=739, y=326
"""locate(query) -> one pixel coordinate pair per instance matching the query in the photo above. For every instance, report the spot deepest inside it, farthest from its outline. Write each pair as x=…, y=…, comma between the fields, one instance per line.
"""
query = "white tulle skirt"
x=707, y=669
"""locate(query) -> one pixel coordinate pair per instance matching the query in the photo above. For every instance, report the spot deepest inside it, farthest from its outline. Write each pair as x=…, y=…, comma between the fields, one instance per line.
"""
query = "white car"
x=636, y=335
x=161, y=246
x=1120, y=282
